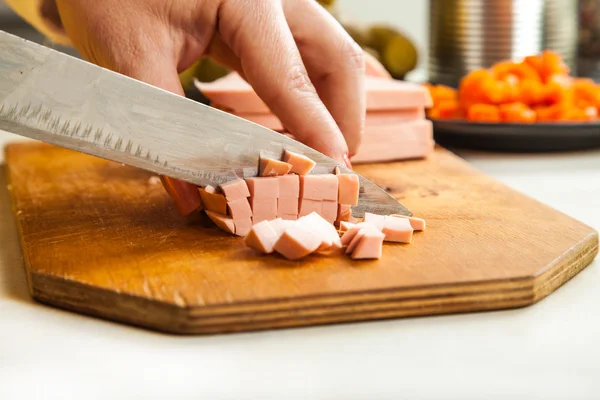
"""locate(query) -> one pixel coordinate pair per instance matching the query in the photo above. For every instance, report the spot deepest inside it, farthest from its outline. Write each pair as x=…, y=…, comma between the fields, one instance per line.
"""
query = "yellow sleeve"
x=43, y=16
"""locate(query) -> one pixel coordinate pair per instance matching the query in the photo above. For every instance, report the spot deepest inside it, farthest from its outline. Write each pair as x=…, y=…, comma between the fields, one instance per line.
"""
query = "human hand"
x=298, y=59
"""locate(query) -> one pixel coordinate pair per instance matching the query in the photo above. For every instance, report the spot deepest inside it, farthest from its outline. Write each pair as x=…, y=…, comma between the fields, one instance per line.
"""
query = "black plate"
x=538, y=137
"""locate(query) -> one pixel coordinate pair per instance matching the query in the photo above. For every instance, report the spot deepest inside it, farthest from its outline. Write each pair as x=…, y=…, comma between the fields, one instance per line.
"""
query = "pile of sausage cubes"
x=288, y=211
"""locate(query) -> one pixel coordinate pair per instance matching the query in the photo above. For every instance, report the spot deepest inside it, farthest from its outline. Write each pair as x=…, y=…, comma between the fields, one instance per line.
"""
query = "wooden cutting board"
x=103, y=239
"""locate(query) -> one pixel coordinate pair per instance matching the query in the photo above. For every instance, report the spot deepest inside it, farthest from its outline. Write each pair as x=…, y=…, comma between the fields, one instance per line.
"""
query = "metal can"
x=588, y=62
x=465, y=35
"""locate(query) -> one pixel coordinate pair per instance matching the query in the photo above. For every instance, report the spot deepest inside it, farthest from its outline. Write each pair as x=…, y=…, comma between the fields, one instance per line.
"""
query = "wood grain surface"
x=103, y=239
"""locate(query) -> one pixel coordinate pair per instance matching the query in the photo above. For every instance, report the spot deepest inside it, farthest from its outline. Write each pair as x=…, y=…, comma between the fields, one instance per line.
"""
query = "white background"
x=546, y=351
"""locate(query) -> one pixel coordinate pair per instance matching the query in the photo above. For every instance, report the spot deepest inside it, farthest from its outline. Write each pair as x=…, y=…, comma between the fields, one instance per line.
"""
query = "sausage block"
x=319, y=187
x=308, y=206
x=404, y=141
x=373, y=118
x=235, y=189
x=233, y=93
x=240, y=208
x=288, y=217
x=301, y=164
x=272, y=167
x=289, y=186
x=212, y=200
x=222, y=221
x=263, y=187
x=389, y=94
x=348, y=189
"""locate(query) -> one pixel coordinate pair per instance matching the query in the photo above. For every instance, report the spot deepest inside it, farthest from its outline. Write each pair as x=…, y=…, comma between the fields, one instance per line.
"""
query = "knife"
x=59, y=99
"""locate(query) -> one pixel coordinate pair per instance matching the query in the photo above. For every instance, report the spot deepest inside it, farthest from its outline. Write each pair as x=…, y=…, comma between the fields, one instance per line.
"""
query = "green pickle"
x=396, y=52
x=399, y=57
x=205, y=70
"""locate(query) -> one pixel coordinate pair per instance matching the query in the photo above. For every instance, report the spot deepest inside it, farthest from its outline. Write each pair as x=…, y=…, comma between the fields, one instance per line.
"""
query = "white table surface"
x=547, y=351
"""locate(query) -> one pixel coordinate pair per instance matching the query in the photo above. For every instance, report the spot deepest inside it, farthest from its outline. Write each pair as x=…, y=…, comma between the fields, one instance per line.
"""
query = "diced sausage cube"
x=344, y=226
x=272, y=167
x=348, y=189
x=349, y=235
x=262, y=237
x=357, y=237
x=287, y=205
x=316, y=224
x=288, y=217
x=212, y=200
x=319, y=187
x=185, y=195
x=375, y=219
x=242, y=226
x=344, y=212
x=222, y=221
x=263, y=187
x=301, y=164
x=289, y=185
x=329, y=210
x=296, y=242
x=240, y=208
x=307, y=206
x=397, y=230
x=418, y=224
x=278, y=226
x=235, y=189
x=263, y=209
x=370, y=245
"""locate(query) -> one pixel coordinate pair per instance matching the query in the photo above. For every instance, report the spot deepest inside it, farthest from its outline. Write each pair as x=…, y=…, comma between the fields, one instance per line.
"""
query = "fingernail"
x=347, y=161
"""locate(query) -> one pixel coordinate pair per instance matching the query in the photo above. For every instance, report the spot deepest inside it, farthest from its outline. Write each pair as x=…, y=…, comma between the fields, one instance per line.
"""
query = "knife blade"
x=59, y=99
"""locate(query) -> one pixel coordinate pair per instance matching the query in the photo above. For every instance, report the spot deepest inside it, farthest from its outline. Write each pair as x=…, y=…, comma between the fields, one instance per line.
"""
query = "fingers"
x=220, y=52
x=258, y=34
x=335, y=64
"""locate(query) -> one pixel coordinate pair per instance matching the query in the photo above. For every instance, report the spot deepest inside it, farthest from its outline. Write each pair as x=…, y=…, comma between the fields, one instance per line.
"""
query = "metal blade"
x=59, y=99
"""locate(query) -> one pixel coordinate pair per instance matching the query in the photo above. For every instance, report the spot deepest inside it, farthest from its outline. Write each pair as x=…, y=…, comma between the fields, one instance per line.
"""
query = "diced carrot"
x=480, y=86
x=580, y=114
x=450, y=109
x=519, y=70
x=483, y=113
x=534, y=62
x=440, y=93
x=558, y=90
x=433, y=113
x=510, y=89
x=551, y=64
x=517, y=112
x=531, y=92
x=586, y=93
x=566, y=112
